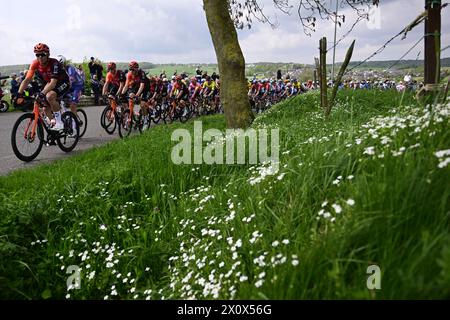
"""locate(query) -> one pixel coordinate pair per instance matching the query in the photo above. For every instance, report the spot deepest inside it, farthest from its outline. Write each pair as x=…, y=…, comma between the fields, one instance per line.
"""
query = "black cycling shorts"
x=146, y=95
x=61, y=88
x=113, y=89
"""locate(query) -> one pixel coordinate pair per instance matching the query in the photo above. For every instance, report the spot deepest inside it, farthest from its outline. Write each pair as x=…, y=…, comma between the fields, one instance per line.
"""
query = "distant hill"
x=7, y=70
x=252, y=68
x=404, y=64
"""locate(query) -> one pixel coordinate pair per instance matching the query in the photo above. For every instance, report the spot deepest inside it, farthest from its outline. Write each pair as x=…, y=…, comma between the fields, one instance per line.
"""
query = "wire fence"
x=407, y=52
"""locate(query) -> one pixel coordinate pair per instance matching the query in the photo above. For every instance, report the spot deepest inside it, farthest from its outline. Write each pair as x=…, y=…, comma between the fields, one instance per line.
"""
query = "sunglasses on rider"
x=39, y=55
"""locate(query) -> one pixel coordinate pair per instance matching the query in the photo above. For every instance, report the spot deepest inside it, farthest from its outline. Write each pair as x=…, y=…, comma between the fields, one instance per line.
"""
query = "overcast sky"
x=175, y=31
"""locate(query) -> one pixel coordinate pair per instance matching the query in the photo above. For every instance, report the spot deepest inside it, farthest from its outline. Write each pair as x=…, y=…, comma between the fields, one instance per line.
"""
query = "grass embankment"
x=365, y=188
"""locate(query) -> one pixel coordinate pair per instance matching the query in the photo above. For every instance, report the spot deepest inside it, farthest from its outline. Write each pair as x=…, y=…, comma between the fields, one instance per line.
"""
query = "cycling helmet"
x=111, y=66
x=193, y=79
x=178, y=78
x=165, y=80
x=41, y=47
x=62, y=59
x=133, y=65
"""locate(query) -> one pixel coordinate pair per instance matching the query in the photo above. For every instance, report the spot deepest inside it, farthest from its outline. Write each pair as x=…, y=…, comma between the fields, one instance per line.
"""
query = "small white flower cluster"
x=444, y=158
x=103, y=192
x=410, y=122
x=39, y=242
x=91, y=256
x=262, y=172
x=248, y=219
x=337, y=209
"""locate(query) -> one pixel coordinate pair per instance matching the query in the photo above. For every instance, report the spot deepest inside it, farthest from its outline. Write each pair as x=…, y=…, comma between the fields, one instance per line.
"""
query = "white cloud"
x=164, y=31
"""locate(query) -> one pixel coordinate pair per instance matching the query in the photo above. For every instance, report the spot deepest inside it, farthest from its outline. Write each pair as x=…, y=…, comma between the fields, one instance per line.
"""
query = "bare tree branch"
x=242, y=12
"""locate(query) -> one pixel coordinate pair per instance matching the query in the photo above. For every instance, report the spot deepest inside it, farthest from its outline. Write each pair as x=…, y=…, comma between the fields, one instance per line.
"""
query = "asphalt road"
x=95, y=135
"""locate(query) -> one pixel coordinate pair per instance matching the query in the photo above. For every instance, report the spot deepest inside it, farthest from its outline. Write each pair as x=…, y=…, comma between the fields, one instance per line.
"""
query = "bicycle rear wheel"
x=25, y=145
x=82, y=121
x=68, y=138
x=155, y=114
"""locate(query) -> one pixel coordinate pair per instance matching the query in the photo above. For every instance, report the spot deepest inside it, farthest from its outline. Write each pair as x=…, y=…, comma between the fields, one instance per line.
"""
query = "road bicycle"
x=179, y=112
x=32, y=130
x=110, y=117
x=129, y=120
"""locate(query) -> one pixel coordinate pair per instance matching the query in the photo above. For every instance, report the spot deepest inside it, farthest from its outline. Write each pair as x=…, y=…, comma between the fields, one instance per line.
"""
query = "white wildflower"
x=337, y=208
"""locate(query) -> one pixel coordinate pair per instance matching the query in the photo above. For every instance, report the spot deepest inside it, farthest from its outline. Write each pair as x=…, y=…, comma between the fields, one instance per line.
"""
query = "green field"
x=189, y=69
x=368, y=187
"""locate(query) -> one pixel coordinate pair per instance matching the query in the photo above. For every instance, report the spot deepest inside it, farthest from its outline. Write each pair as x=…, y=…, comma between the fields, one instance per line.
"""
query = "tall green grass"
x=347, y=196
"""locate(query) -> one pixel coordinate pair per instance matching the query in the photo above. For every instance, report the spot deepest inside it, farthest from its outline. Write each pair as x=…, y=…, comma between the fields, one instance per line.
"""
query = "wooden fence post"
x=323, y=74
x=344, y=65
x=316, y=73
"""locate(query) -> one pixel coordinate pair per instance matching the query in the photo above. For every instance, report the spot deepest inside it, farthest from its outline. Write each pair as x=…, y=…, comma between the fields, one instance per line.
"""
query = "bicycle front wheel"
x=108, y=120
x=26, y=144
x=125, y=123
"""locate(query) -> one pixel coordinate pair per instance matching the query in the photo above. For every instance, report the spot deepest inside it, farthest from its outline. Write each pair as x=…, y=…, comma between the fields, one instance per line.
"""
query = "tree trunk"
x=233, y=84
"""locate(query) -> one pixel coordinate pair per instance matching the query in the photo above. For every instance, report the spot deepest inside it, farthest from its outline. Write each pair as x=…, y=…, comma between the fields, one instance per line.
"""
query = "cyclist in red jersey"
x=154, y=92
x=139, y=85
x=56, y=79
x=115, y=80
x=181, y=93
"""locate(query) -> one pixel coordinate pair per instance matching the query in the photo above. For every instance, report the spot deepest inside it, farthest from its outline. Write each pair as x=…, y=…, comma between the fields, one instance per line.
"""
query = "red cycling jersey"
x=256, y=86
x=180, y=86
x=193, y=87
x=133, y=81
x=52, y=70
x=115, y=78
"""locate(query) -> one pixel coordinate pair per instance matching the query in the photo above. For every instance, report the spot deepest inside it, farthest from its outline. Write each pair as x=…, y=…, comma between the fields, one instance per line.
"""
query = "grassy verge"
x=368, y=187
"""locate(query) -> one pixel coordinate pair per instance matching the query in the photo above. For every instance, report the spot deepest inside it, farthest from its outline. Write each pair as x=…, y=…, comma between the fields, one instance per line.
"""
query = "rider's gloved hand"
x=17, y=98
